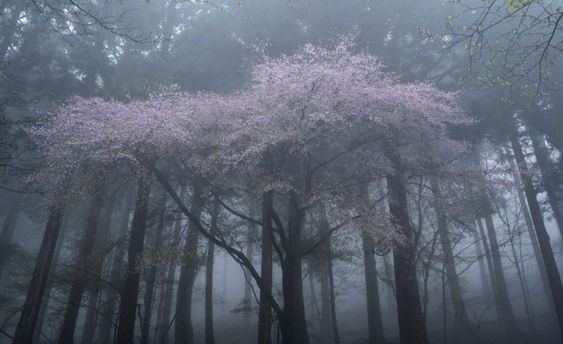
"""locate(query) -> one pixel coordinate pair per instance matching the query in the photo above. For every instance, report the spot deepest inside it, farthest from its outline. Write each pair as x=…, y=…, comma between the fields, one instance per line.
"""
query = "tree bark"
x=151, y=277
x=506, y=314
x=108, y=307
x=412, y=327
x=30, y=311
x=375, y=323
x=461, y=319
x=481, y=256
x=547, y=171
x=183, y=329
x=293, y=323
x=8, y=228
x=130, y=293
x=95, y=292
x=265, y=309
x=541, y=232
x=81, y=273
x=531, y=233
x=209, y=333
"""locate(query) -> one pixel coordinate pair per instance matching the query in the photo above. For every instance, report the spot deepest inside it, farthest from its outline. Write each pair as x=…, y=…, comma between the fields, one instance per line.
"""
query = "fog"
x=274, y=171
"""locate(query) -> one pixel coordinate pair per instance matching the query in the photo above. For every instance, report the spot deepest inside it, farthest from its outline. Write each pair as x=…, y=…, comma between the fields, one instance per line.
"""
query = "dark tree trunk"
x=452, y=280
x=541, y=232
x=481, y=256
x=81, y=273
x=326, y=334
x=327, y=288
x=247, y=297
x=265, y=309
x=128, y=303
x=151, y=277
x=506, y=314
x=375, y=323
x=489, y=259
x=169, y=287
x=531, y=233
x=49, y=287
x=109, y=304
x=94, y=294
x=8, y=228
x=548, y=175
x=293, y=323
x=412, y=327
x=32, y=304
x=209, y=333
x=183, y=329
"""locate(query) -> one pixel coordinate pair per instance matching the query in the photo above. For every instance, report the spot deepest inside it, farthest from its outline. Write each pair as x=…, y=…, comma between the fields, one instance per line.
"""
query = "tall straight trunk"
x=247, y=297
x=547, y=171
x=151, y=277
x=375, y=323
x=489, y=259
x=50, y=282
x=32, y=304
x=183, y=328
x=81, y=273
x=481, y=256
x=8, y=228
x=506, y=313
x=531, y=232
x=94, y=294
x=330, y=293
x=523, y=286
x=412, y=327
x=109, y=304
x=209, y=333
x=293, y=323
x=461, y=319
x=128, y=303
x=169, y=278
x=265, y=309
x=541, y=232
x=326, y=334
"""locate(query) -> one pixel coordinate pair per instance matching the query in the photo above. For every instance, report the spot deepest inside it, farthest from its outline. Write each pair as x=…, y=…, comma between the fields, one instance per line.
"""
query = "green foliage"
x=514, y=5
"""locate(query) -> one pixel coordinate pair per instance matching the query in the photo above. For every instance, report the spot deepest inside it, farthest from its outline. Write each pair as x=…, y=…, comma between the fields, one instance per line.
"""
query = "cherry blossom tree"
x=309, y=130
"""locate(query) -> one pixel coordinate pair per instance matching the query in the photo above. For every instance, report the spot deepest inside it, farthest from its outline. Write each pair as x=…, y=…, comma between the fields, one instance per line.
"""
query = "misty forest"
x=281, y=171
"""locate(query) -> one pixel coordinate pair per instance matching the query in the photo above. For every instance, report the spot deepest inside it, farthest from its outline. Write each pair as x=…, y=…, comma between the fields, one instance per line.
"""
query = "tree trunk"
x=247, y=298
x=489, y=260
x=183, y=329
x=209, y=333
x=461, y=320
x=531, y=233
x=8, y=228
x=506, y=314
x=375, y=323
x=108, y=307
x=293, y=323
x=412, y=327
x=81, y=273
x=32, y=304
x=48, y=288
x=327, y=287
x=95, y=292
x=265, y=310
x=128, y=303
x=541, y=232
x=151, y=277
x=485, y=284
x=169, y=279
x=547, y=171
